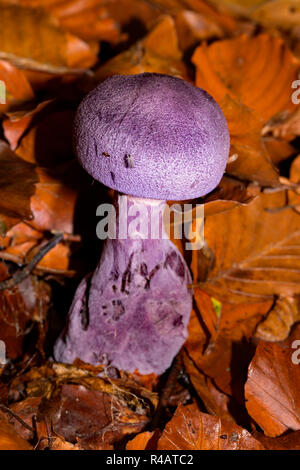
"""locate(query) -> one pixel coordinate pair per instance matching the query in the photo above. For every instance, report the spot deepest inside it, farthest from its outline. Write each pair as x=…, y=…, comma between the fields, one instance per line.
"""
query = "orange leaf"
x=272, y=390
x=189, y=429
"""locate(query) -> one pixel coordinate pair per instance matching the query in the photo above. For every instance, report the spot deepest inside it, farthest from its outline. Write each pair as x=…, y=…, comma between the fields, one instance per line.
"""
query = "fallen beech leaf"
x=53, y=203
x=21, y=307
x=17, y=87
x=158, y=52
x=215, y=401
x=278, y=323
x=88, y=19
x=252, y=161
x=26, y=410
x=9, y=439
x=278, y=150
x=256, y=263
x=38, y=144
x=193, y=27
x=284, y=125
x=140, y=441
x=228, y=194
x=279, y=13
x=189, y=429
x=85, y=408
x=15, y=125
x=39, y=42
x=238, y=6
x=173, y=6
x=273, y=385
x=219, y=347
x=290, y=441
x=262, y=60
x=17, y=184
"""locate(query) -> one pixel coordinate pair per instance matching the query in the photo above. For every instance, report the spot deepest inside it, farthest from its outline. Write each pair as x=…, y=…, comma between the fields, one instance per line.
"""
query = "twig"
x=15, y=416
x=21, y=274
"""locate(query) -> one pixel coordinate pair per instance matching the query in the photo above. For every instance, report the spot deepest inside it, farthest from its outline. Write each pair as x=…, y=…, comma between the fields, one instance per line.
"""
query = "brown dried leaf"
x=85, y=408
x=158, y=52
x=20, y=308
x=260, y=258
x=17, y=184
x=219, y=344
x=39, y=42
x=17, y=87
x=140, y=441
x=9, y=439
x=264, y=60
x=272, y=390
x=278, y=323
x=189, y=429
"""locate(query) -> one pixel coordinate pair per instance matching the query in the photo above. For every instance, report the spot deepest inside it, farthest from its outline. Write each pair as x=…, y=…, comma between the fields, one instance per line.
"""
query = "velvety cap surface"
x=152, y=136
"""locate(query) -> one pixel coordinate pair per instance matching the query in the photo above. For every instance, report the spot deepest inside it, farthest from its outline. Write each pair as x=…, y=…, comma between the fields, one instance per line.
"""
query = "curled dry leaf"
x=159, y=52
x=256, y=262
x=229, y=193
x=39, y=43
x=189, y=429
x=17, y=184
x=85, y=408
x=278, y=323
x=272, y=390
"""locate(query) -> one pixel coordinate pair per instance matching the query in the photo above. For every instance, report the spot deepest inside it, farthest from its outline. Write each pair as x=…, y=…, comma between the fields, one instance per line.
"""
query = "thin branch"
x=23, y=273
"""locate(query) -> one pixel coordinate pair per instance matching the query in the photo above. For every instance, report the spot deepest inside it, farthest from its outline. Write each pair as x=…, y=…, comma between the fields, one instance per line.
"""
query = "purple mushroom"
x=153, y=137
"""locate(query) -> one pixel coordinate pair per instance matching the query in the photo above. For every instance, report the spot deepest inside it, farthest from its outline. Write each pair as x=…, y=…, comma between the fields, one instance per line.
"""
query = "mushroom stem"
x=132, y=313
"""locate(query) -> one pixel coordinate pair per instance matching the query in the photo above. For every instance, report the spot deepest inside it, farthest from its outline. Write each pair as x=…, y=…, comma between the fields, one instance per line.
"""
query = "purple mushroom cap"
x=152, y=136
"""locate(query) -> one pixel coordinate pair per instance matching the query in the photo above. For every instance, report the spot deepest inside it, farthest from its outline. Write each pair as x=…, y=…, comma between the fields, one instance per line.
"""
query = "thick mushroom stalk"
x=147, y=136
x=134, y=310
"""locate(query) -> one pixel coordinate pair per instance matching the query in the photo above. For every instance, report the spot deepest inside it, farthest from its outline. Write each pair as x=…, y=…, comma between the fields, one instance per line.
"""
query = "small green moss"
x=217, y=306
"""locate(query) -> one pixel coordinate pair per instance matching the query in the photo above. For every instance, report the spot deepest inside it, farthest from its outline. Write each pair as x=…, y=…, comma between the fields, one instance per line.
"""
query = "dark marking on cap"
x=105, y=154
x=129, y=161
x=112, y=176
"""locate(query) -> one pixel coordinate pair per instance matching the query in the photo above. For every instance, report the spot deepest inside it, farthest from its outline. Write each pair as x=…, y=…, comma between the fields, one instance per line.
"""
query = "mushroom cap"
x=153, y=136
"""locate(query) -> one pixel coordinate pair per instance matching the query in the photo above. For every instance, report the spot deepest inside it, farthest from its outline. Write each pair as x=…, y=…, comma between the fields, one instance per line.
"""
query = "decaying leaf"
x=273, y=387
x=85, y=408
x=189, y=429
x=278, y=323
